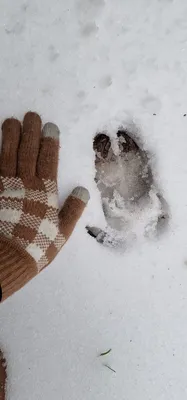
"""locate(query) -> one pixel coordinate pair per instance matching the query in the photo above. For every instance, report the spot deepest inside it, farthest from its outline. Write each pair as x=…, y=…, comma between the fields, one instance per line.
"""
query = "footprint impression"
x=132, y=205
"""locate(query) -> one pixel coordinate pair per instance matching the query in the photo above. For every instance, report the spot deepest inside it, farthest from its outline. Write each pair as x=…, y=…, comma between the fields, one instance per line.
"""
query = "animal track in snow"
x=132, y=205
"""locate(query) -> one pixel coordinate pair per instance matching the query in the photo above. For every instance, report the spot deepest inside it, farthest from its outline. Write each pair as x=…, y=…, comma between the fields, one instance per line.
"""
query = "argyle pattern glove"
x=32, y=228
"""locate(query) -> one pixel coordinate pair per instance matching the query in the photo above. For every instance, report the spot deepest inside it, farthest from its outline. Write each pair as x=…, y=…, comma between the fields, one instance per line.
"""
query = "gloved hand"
x=32, y=229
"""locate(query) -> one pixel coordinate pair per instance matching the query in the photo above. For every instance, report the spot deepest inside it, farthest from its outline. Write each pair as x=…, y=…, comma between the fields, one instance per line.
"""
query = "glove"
x=32, y=229
x=3, y=376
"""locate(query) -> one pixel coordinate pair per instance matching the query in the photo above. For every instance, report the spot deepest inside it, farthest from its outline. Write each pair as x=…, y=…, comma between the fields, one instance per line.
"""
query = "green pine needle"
x=105, y=353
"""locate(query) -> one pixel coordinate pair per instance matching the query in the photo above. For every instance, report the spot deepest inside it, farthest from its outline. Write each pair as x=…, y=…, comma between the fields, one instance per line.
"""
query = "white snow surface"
x=90, y=66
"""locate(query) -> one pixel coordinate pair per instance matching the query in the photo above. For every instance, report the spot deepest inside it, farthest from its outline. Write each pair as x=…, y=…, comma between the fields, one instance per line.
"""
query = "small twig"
x=111, y=369
x=105, y=353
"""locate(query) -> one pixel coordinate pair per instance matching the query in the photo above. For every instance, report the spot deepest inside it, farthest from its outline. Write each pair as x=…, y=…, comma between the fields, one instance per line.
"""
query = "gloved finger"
x=3, y=376
x=72, y=210
x=47, y=164
x=29, y=145
x=11, y=131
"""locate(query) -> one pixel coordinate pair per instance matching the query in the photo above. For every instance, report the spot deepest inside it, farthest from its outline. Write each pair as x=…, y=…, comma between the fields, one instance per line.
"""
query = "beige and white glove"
x=32, y=228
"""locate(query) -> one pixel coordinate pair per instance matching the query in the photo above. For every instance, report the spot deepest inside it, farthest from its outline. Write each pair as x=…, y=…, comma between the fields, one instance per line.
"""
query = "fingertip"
x=81, y=193
x=31, y=115
x=51, y=130
x=31, y=118
x=11, y=123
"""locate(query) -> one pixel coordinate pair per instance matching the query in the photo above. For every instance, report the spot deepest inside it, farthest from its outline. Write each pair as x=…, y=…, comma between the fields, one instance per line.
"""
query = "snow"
x=93, y=66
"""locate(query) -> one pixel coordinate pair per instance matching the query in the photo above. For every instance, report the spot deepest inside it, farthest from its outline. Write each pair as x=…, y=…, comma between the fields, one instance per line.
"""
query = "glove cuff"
x=17, y=267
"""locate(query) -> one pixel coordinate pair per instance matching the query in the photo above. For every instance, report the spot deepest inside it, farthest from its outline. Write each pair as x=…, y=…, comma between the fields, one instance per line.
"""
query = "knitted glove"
x=32, y=229
x=3, y=376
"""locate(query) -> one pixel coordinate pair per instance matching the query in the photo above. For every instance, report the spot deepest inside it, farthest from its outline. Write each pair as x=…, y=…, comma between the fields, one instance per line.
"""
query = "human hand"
x=32, y=228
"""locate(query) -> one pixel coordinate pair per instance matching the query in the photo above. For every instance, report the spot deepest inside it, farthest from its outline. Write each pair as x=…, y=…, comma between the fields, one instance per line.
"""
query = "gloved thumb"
x=72, y=210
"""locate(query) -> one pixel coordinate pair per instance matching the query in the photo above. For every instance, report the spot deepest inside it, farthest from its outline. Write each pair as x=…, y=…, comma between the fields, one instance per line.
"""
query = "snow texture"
x=92, y=66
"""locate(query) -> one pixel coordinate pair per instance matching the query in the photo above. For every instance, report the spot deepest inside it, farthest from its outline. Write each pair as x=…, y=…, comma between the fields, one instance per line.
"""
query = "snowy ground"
x=88, y=65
